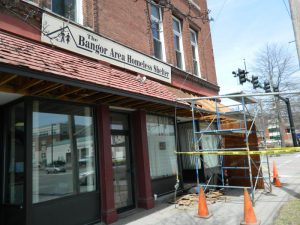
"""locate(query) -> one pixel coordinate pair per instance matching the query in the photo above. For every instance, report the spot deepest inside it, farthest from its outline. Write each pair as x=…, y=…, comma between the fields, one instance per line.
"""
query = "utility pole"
x=291, y=120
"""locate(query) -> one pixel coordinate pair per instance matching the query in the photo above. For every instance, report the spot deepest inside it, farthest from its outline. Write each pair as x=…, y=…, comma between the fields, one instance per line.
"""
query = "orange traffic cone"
x=249, y=215
x=202, y=207
x=277, y=182
x=275, y=173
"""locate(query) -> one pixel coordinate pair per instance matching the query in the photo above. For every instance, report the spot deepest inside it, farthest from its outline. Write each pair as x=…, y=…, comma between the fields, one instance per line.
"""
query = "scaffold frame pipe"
x=238, y=95
x=261, y=152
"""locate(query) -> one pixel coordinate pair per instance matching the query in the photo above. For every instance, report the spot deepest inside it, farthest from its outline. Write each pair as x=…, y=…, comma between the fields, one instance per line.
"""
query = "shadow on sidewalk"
x=138, y=213
x=291, y=192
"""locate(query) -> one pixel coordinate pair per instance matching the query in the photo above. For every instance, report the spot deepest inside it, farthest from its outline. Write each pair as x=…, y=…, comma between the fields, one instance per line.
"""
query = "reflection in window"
x=122, y=179
x=195, y=56
x=58, y=169
x=15, y=157
x=161, y=146
x=178, y=43
x=157, y=32
x=85, y=151
x=79, y=11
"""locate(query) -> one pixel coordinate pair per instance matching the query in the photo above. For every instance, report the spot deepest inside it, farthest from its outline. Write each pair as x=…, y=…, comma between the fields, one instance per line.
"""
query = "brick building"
x=88, y=94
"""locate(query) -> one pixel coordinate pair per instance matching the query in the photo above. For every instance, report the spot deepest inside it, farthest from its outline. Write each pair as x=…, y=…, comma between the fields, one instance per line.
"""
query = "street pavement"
x=229, y=212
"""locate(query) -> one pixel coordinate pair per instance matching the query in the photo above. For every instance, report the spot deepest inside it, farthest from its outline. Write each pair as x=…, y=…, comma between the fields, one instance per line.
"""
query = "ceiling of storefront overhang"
x=8, y=97
x=14, y=86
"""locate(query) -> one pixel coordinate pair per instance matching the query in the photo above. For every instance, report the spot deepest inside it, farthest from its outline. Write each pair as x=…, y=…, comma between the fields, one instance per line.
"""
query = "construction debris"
x=190, y=200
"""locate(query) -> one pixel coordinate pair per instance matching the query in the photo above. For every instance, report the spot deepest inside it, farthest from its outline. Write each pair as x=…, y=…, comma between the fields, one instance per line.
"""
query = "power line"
x=206, y=38
x=287, y=9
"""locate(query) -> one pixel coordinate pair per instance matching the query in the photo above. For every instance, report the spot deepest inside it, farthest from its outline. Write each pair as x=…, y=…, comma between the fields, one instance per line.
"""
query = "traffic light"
x=242, y=76
x=255, y=81
x=267, y=86
x=275, y=88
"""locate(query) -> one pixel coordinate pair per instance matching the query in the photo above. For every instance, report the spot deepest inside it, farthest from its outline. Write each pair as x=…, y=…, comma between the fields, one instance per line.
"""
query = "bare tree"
x=275, y=64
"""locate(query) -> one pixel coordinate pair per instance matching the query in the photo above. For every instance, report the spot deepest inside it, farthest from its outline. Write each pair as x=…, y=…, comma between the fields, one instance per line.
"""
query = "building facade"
x=295, y=13
x=89, y=117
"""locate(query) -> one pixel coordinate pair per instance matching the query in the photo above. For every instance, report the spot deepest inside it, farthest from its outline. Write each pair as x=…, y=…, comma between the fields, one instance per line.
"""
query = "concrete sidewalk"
x=229, y=212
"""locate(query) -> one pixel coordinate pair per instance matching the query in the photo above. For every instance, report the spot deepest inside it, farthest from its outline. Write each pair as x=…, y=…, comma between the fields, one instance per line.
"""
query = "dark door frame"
x=127, y=133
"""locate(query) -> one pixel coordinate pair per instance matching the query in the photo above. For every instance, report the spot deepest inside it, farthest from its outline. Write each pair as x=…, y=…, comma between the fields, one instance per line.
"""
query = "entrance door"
x=121, y=157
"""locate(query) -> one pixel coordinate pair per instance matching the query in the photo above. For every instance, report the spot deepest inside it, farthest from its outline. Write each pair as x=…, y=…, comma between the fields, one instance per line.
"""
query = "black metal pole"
x=291, y=120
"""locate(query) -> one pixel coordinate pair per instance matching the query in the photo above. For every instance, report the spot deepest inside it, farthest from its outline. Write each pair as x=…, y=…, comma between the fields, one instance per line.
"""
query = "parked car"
x=54, y=168
x=84, y=176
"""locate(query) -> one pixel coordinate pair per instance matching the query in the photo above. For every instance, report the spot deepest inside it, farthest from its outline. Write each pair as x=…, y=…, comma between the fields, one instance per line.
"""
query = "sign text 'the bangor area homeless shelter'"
x=65, y=35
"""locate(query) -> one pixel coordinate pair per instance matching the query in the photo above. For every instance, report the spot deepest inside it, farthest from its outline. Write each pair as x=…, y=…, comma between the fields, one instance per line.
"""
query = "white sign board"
x=79, y=40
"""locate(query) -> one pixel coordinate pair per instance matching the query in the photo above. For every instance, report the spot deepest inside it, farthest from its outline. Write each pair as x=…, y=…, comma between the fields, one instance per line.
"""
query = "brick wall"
x=128, y=22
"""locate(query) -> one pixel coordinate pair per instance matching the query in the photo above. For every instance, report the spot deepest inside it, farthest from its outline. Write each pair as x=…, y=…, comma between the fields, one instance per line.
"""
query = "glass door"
x=121, y=157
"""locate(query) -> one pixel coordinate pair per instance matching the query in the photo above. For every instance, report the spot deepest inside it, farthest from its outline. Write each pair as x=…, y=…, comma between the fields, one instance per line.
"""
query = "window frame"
x=178, y=34
x=29, y=104
x=159, y=21
x=153, y=177
x=195, y=45
x=77, y=10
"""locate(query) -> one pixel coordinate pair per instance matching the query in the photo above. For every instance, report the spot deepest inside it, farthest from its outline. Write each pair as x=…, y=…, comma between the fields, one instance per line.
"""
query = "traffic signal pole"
x=269, y=89
x=291, y=120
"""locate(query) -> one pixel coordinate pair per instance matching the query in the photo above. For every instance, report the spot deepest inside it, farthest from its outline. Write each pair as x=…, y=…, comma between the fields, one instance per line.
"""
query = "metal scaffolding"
x=239, y=113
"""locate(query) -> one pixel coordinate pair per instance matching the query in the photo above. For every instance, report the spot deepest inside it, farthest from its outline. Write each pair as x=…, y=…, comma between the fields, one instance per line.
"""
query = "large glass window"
x=15, y=176
x=63, y=156
x=186, y=140
x=157, y=32
x=178, y=43
x=195, y=55
x=161, y=146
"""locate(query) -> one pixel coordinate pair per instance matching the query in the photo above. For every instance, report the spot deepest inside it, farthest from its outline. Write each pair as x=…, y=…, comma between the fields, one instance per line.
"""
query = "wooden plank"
x=74, y=90
x=100, y=97
x=85, y=95
x=30, y=84
x=7, y=79
x=51, y=89
x=42, y=89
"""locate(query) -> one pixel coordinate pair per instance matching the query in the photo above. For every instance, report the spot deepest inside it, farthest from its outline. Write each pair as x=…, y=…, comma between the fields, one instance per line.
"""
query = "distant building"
x=295, y=11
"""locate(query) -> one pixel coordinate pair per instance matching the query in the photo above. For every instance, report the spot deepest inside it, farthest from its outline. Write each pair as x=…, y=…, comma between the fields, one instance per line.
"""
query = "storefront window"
x=63, y=161
x=210, y=142
x=161, y=146
x=186, y=140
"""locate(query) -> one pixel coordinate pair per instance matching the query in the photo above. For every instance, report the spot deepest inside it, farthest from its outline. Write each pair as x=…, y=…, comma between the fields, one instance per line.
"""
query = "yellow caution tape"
x=269, y=151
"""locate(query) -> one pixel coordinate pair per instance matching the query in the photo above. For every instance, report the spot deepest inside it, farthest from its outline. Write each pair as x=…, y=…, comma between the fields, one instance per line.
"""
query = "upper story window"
x=178, y=43
x=195, y=55
x=157, y=32
x=70, y=9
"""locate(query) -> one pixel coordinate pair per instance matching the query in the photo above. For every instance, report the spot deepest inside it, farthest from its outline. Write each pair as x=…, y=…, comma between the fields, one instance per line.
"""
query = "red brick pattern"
x=128, y=23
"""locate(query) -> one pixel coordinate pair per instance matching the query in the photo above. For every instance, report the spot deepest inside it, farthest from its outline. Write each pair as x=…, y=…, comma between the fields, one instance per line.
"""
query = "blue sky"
x=242, y=27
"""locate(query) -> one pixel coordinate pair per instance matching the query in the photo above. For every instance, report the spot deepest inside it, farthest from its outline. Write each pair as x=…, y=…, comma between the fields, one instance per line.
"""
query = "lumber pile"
x=190, y=200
